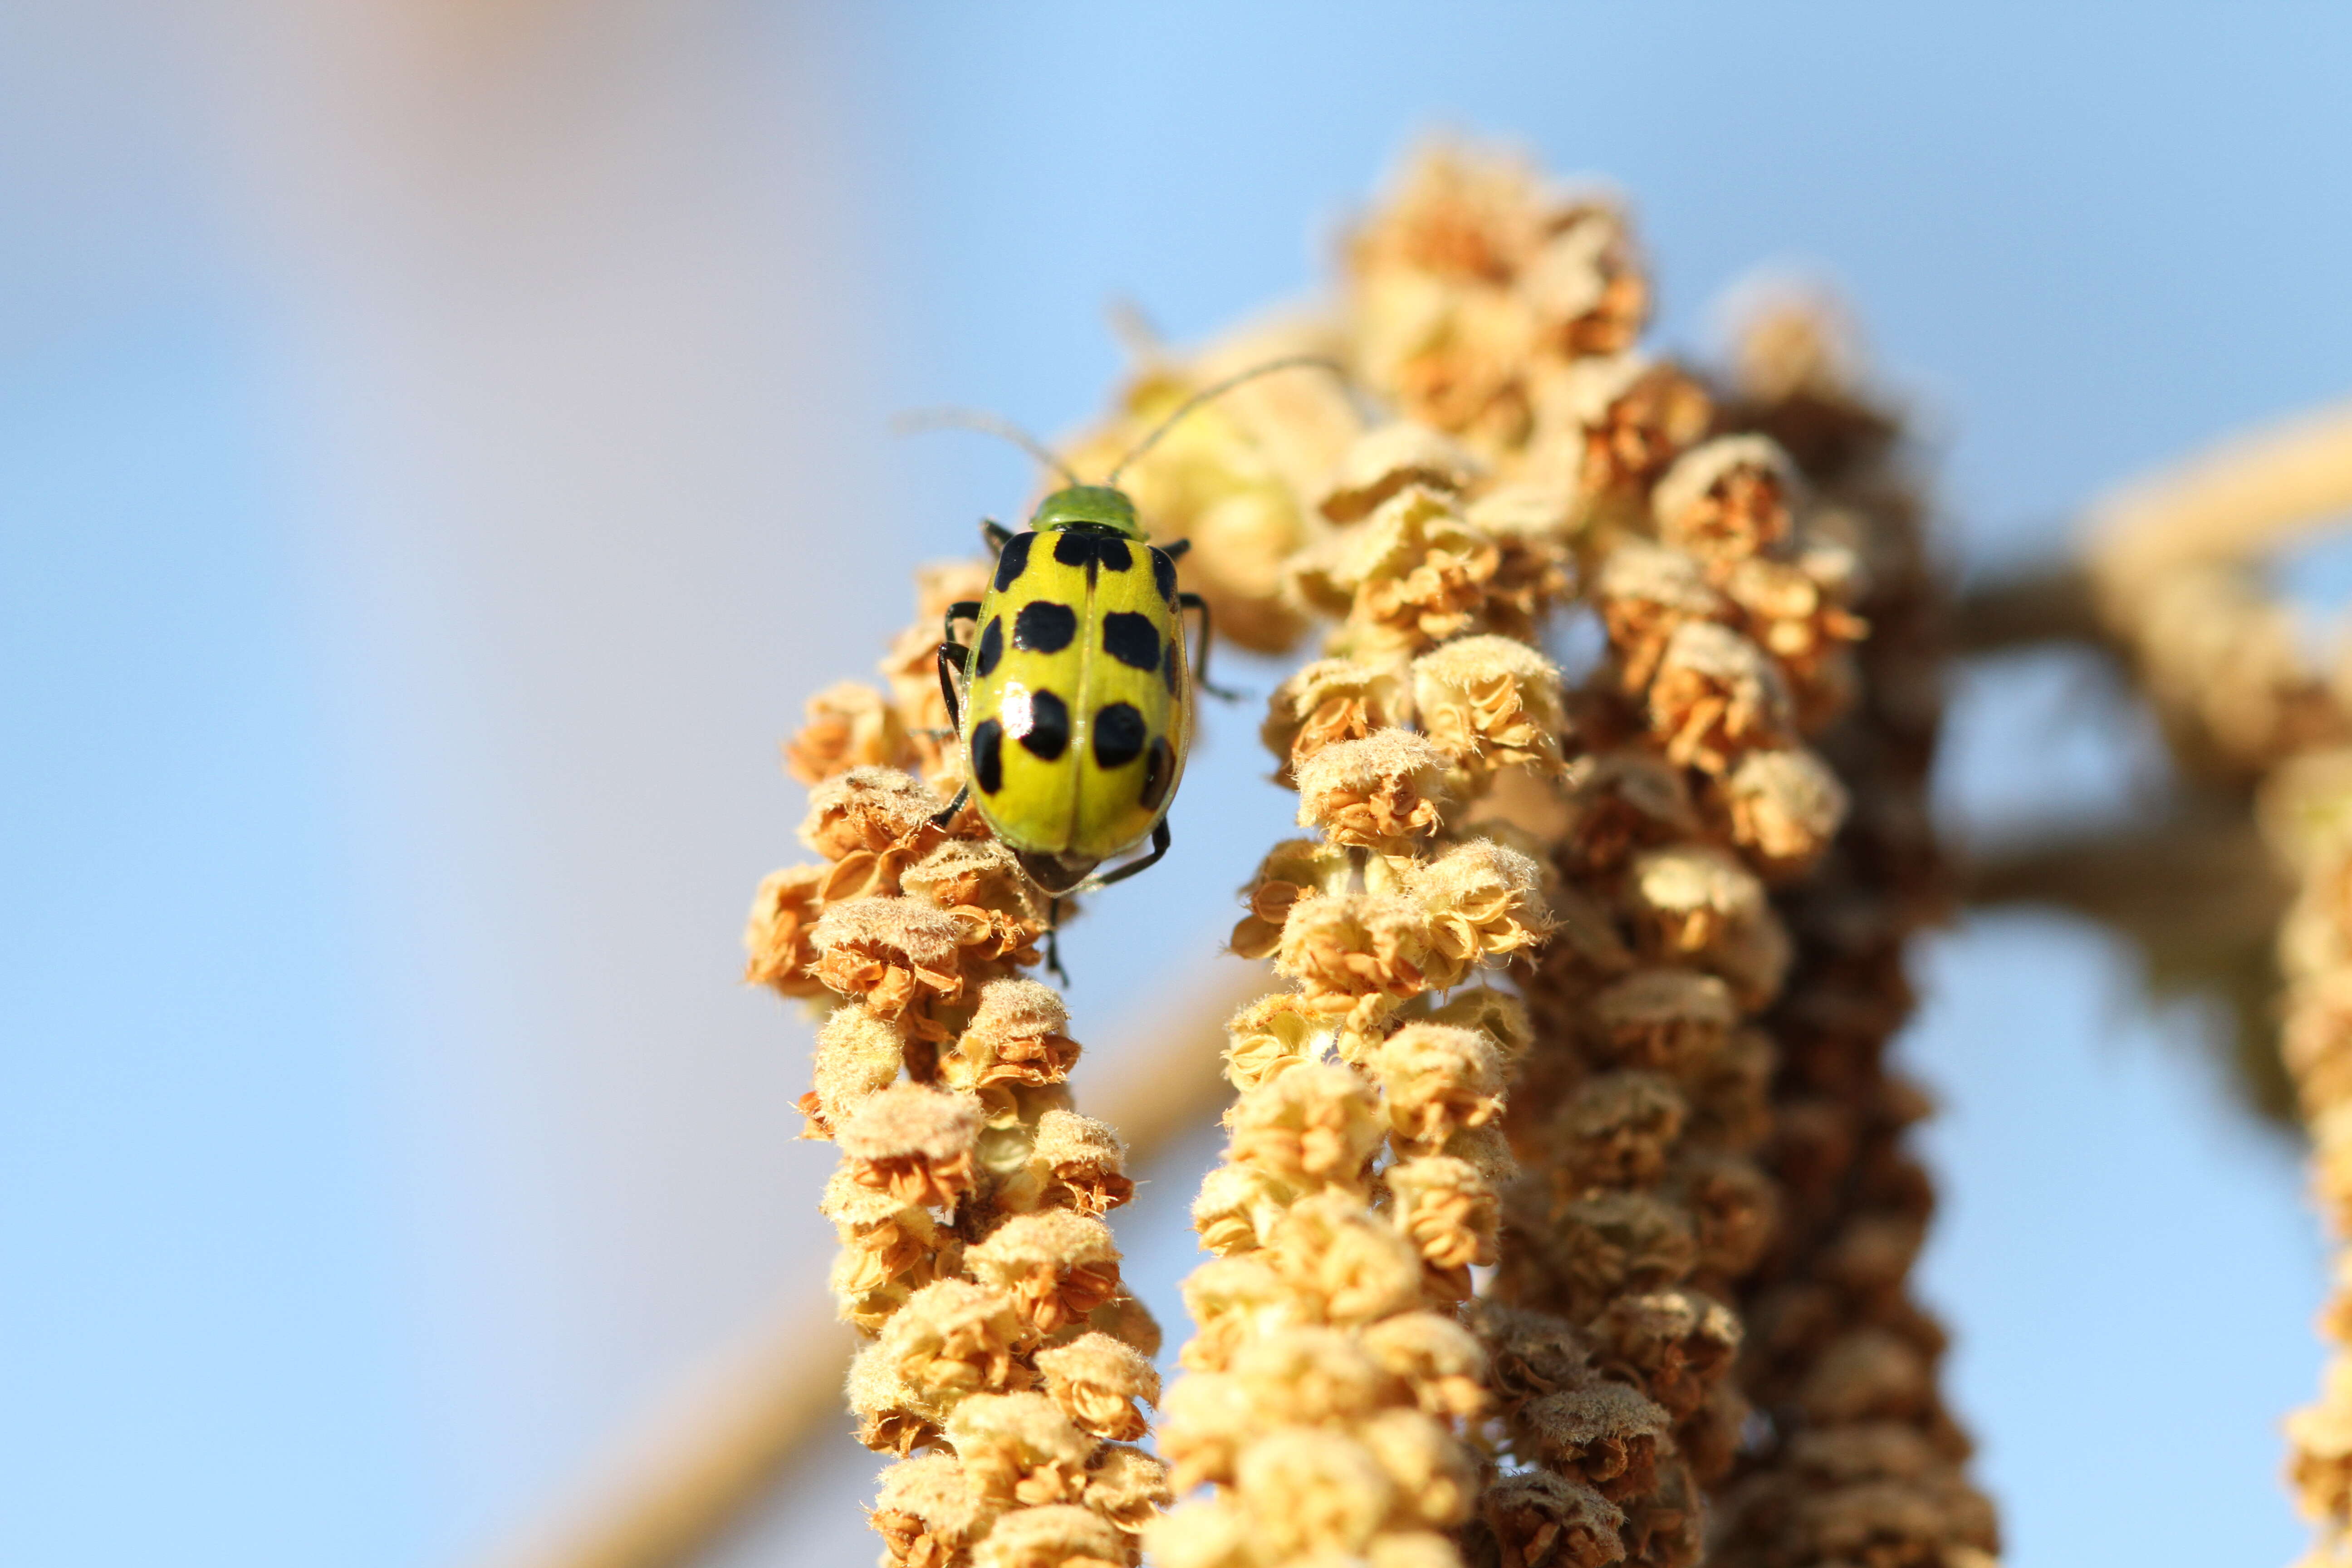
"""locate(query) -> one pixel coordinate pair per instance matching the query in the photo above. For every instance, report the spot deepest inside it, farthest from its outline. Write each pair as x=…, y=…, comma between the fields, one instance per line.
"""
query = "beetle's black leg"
x=1200, y=661
x=1160, y=841
x=1174, y=549
x=952, y=667
x=1053, y=944
x=994, y=534
x=961, y=610
x=941, y=819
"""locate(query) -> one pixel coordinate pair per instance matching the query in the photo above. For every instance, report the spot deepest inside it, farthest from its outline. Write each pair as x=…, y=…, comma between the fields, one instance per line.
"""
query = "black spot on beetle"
x=1168, y=671
x=1163, y=575
x=1013, y=560
x=1072, y=548
x=1132, y=639
x=1043, y=627
x=1157, y=772
x=992, y=646
x=1119, y=734
x=988, y=755
x=1049, y=726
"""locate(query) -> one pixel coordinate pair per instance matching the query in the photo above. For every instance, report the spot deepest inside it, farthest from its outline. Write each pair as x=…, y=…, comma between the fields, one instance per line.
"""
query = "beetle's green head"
x=1104, y=507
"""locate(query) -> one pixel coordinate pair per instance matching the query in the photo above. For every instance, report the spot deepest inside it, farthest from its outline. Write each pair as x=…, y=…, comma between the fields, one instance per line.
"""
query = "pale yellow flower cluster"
x=970, y=1199
x=1689, y=791
x=1332, y=1380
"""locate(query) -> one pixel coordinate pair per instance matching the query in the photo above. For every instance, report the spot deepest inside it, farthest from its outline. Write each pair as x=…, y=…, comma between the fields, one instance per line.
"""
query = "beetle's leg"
x=961, y=610
x=1160, y=841
x=1200, y=661
x=952, y=667
x=941, y=819
x=994, y=534
x=1053, y=944
x=1174, y=549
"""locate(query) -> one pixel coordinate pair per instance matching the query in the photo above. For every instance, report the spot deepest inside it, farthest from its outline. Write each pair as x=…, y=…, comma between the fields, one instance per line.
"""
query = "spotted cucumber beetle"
x=1073, y=700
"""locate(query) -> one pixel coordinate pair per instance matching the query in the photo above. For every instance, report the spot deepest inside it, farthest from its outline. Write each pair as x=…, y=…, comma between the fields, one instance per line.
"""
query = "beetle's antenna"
x=1216, y=390
x=987, y=424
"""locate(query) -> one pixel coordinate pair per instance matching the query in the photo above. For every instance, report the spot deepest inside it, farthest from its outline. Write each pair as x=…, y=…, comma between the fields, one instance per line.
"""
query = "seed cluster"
x=1862, y=1463
x=970, y=1199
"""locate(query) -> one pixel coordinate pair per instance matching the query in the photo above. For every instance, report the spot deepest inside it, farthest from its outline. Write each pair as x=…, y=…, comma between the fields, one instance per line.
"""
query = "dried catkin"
x=1862, y=1462
x=1005, y=1362
x=1332, y=1388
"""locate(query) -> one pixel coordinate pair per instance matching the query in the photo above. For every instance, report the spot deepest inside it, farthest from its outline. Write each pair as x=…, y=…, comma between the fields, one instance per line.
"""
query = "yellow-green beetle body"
x=1074, y=697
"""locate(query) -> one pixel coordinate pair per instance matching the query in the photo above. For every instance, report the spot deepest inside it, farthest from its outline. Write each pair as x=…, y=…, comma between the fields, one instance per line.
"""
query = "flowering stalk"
x=1506, y=313
x=969, y=1196
x=1331, y=1376
x=1862, y=1461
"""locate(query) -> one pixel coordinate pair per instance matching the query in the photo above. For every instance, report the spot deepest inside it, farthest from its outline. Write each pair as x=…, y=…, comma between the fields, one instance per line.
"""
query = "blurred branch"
x=2195, y=883
x=2233, y=501
x=2200, y=899
x=2053, y=605
x=727, y=1442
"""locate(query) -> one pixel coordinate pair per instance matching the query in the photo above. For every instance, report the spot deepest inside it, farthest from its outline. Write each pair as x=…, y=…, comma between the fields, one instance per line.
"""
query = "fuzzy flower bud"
x=953, y=1337
x=1237, y=1206
x=1356, y=954
x=1441, y=1361
x=783, y=916
x=1311, y=1490
x=927, y=1513
x=1698, y=905
x=1481, y=902
x=1084, y=1162
x=1411, y=574
x=1646, y=595
x=1317, y=1122
x=1382, y=461
x=1331, y=700
x=1716, y=696
x=1726, y=500
x=1018, y=1449
x=1096, y=1381
x=857, y=1054
x=1271, y=1035
x=912, y=1142
x=1603, y=1433
x=1058, y=1535
x=1436, y=1080
x=1058, y=1265
x=1490, y=703
x=850, y=725
x=1340, y=1255
x=1539, y=1518
x=1380, y=792
x=1786, y=807
x=1291, y=869
x=1449, y=1214
x=896, y=954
